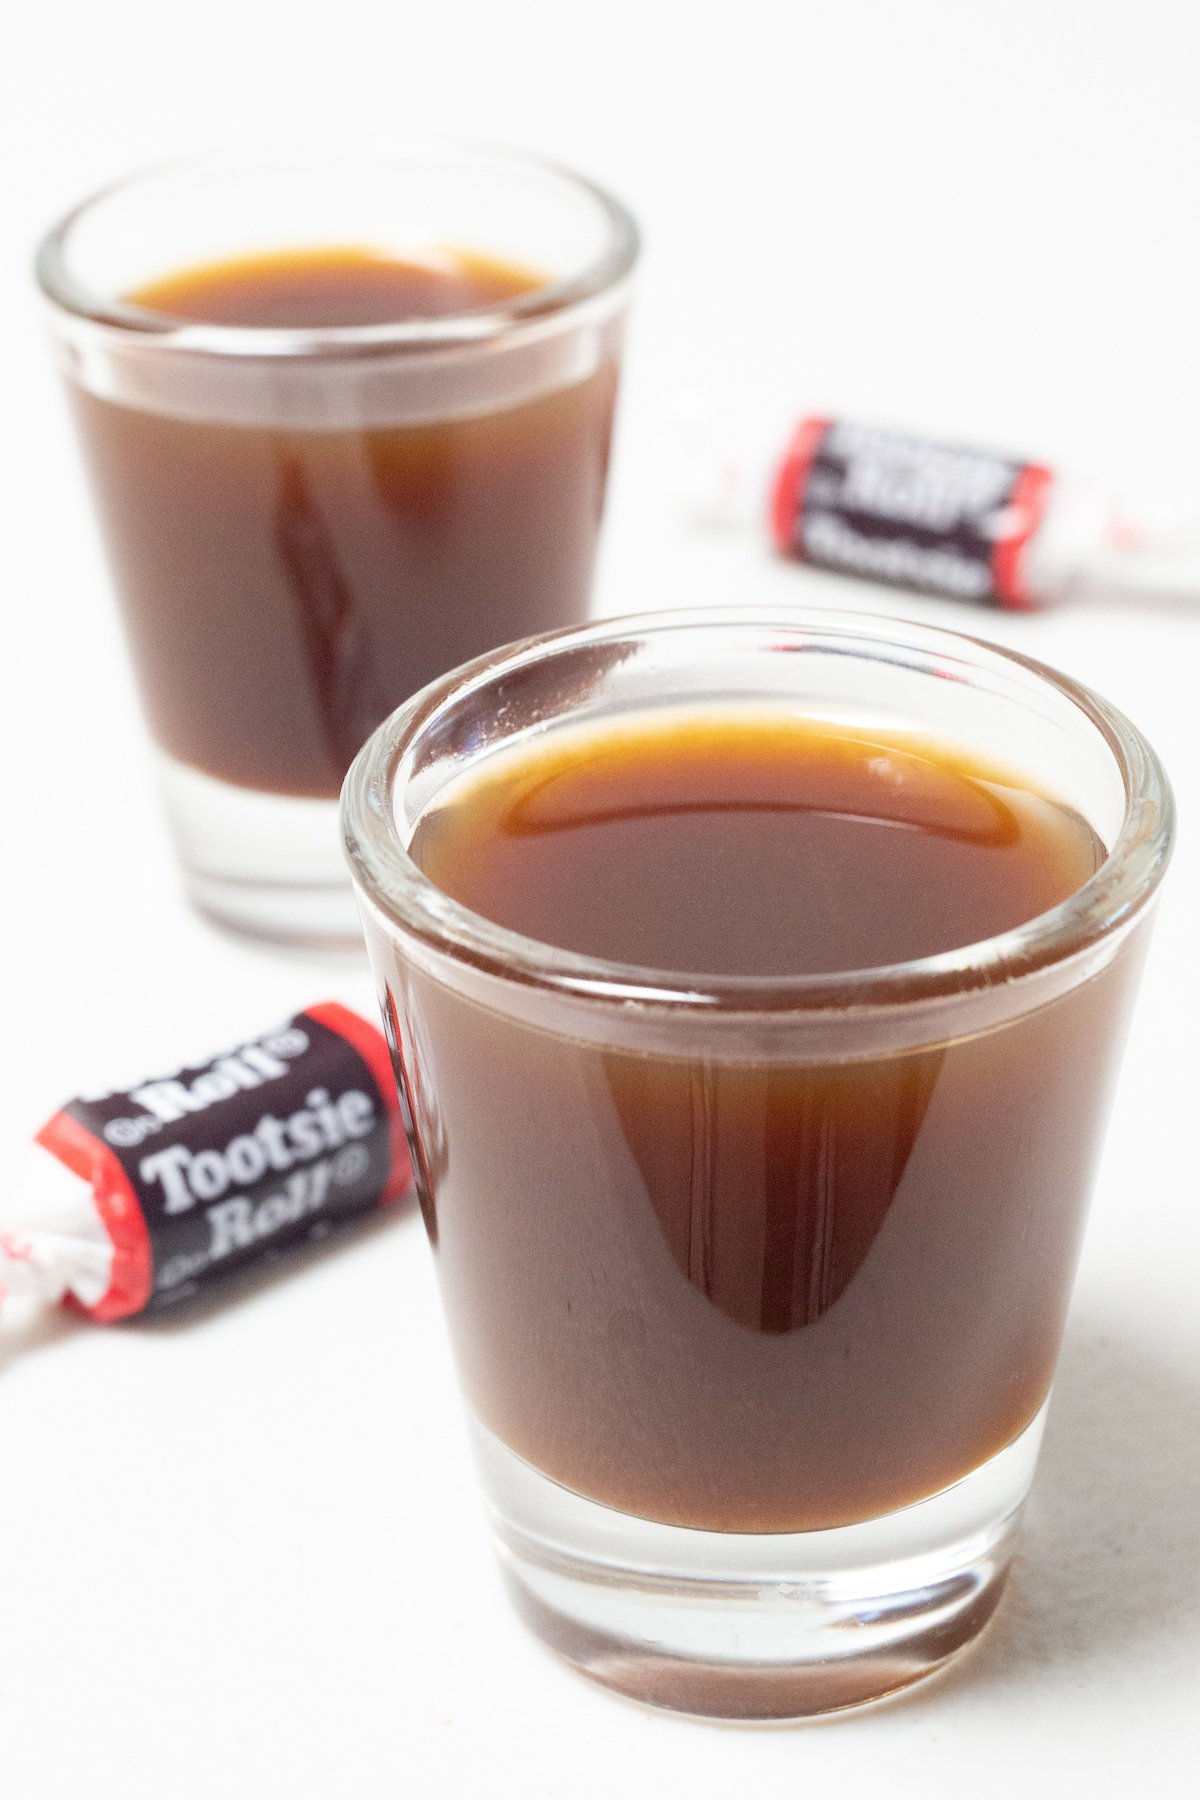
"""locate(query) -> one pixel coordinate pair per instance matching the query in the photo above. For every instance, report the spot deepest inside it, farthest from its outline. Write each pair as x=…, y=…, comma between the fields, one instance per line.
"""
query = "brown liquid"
x=730, y=847
x=744, y=1295
x=284, y=589
x=306, y=289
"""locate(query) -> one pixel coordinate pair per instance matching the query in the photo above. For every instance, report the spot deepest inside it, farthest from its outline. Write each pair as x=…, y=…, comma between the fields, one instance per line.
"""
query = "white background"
x=244, y=1557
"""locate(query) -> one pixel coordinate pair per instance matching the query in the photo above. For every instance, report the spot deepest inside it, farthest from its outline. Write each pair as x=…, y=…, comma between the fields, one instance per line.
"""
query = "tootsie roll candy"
x=140, y=1198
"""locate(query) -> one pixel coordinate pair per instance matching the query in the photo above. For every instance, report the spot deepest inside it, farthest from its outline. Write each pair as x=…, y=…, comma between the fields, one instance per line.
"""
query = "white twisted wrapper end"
x=52, y=1238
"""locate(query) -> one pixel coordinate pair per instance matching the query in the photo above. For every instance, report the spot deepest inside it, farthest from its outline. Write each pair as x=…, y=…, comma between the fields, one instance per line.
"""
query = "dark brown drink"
x=735, y=846
x=284, y=588
x=742, y=1295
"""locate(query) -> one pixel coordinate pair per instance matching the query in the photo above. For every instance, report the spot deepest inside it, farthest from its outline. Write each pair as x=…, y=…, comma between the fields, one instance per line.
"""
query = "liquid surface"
x=285, y=588
x=751, y=848
x=732, y=1294
x=332, y=286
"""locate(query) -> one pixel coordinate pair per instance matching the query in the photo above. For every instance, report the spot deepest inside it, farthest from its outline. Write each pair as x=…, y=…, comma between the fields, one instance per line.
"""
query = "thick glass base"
x=263, y=864
x=736, y=1626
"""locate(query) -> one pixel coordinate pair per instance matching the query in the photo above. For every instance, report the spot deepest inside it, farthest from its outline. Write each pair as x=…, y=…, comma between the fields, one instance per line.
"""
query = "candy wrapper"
x=138, y=1199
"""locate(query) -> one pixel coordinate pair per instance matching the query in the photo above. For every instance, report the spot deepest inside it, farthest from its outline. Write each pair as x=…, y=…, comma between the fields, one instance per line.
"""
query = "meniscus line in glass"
x=756, y=1283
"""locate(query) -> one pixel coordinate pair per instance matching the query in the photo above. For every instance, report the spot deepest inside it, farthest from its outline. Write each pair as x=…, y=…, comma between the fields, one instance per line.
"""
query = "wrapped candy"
x=140, y=1198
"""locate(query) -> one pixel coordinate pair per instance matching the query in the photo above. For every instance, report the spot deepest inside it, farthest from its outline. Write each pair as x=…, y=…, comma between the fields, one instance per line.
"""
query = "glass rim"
x=554, y=302
x=407, y=900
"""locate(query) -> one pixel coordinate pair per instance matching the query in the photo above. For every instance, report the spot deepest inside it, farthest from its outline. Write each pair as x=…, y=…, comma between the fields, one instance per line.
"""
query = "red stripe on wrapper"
x=787, y=490
x=1028, y=503
x=133, y=1262
x=369, y=1044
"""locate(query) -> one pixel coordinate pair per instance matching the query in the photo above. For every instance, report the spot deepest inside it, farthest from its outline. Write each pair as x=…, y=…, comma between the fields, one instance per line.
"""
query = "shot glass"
x=306, y=526
x=784, y=1476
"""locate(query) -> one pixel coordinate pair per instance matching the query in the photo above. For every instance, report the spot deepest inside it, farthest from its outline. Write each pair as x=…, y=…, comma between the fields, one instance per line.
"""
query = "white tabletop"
x=244, y=1556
